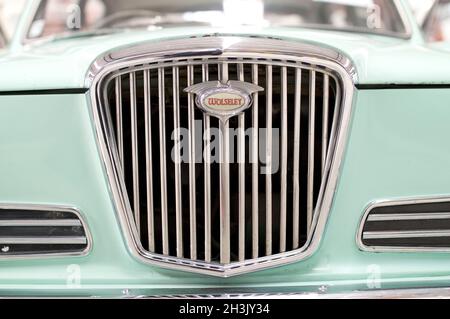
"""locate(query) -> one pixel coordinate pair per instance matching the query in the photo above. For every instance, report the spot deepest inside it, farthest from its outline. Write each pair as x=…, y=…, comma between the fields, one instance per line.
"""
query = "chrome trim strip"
x=43, y=240
x=407, y=293
x=418, y=293
x=40, y=223
x=57, y=208
x=222, y=47
x=397, y=202
x=217, y=46
x=406, y=234
x=405, y=216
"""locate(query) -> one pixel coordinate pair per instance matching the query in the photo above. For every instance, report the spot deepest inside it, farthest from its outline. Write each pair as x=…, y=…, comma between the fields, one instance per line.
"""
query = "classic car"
x=209, y=148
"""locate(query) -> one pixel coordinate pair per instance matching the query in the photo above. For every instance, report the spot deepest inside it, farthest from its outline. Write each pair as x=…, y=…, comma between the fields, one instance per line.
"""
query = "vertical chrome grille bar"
x=255, y=168
x=177, y=159
x=311, y=142
x=296, y=177
x=284, y=155
x=326, y=96
x=149, y=163
x=269, y=160
x=192, y=192
x=241, y=161
x=163, y=164
x=224, y=180
x=134, y=151
x=207, y=172
x=119, y=118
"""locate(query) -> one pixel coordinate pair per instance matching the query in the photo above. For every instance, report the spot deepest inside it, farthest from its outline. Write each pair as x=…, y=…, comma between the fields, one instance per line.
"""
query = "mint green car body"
x=397, y=148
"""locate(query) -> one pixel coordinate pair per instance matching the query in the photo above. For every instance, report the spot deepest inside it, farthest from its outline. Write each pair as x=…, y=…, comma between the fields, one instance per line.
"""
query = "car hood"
x=64, y=63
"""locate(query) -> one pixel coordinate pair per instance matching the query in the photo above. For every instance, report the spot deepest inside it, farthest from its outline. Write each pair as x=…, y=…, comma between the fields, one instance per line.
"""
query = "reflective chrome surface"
x=280, y=54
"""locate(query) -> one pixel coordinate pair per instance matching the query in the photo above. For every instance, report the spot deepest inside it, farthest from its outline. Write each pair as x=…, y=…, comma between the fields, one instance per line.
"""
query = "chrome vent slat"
x=406, y=234
x=43, y=240
x=406, y=216
x=40, y=223
x=215, y=212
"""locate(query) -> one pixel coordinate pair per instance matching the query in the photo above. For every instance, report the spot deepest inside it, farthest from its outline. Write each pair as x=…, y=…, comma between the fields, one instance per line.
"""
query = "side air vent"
x=40, y=231
x=410, y=225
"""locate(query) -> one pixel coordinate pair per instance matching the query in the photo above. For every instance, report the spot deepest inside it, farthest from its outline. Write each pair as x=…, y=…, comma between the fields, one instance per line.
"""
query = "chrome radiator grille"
x=222, y=212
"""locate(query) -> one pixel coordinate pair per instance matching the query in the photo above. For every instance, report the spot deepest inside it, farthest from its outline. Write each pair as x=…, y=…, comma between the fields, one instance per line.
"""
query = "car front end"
x=201, y=158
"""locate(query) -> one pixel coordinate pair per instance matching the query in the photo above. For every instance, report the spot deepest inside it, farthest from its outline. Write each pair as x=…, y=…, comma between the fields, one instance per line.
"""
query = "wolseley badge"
x=224, y=100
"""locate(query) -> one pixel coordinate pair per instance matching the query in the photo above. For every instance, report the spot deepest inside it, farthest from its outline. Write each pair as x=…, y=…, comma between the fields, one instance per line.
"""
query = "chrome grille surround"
x=216, y=47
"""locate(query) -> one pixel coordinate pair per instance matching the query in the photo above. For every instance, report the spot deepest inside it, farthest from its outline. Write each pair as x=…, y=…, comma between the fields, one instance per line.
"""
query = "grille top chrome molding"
x=215, y=46
x=67, y=240
x=408, y=234
x=221, y=47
